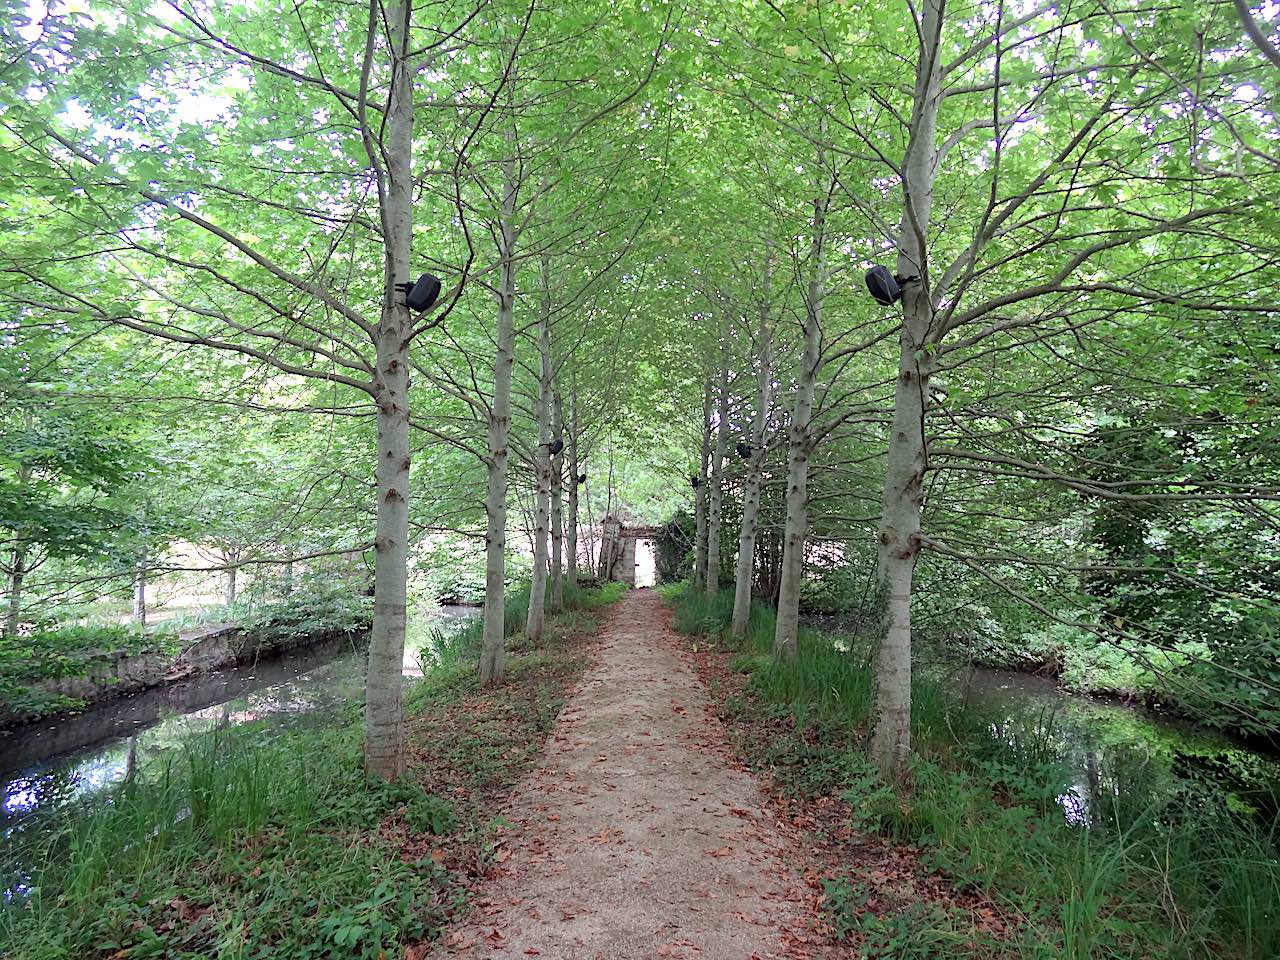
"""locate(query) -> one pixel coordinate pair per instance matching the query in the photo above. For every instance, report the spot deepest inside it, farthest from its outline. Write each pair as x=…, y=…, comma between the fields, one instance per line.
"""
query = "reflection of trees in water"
x=319, y=696
x=1117, y=768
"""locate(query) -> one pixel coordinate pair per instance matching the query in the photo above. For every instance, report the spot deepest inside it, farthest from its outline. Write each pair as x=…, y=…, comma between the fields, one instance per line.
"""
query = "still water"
x=1115, y=763
x=46, y=765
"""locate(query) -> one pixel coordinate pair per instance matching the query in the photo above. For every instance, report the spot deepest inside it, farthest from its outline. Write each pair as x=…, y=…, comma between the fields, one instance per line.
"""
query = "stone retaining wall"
x=116, y=673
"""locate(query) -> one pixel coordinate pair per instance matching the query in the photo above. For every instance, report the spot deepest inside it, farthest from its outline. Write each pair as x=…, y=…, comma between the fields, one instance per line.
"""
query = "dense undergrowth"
x=53, y=652
x=238, y=848
x=1161, y=869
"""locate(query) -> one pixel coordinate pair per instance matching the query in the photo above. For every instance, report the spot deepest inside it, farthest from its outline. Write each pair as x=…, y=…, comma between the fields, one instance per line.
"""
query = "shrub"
x=307, y=613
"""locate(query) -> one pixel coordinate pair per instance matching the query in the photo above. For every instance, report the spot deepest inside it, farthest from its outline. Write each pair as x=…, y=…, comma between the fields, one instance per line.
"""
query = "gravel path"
x=638, y=836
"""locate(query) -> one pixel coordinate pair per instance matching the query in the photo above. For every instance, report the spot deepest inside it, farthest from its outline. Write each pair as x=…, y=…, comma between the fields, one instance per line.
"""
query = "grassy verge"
x=978, y=858
x=236, y=849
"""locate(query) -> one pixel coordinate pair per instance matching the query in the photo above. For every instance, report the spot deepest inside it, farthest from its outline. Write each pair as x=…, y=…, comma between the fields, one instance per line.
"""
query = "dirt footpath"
x=638, y=836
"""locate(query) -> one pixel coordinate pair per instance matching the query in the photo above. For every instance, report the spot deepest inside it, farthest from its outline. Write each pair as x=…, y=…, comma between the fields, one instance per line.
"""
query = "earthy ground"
x=638, y=836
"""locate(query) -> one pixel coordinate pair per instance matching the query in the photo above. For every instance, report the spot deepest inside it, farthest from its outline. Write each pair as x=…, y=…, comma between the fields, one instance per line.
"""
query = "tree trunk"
x=788, y=623
x=495, y=577
x=715, y=496
x=700, y=496
x=889, y=746
x=755, y=466
x=542, y=501
x=384, y=751
x=17, y=574
x=18, y=558
x=140, y=594
x=591, y=535
x=288, y=577
x=557, y=506
x=229, y=581
x=571, y=537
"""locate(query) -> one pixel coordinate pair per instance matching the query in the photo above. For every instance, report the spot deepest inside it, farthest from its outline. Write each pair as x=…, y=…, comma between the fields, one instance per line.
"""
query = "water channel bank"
x=56, y=761
x=108, y=675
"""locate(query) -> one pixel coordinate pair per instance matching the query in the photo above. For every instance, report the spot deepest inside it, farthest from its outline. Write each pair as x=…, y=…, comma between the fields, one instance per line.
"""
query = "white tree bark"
x=492, y=655
x=18, y=556
x=384, y=713
x=788, y=622
x=536, y=620
x=575, y=467
x=755, y=464
x=13, y=600
x=899, y=540
x=715, y=496
x=700, y=494
x=140, y=593
x=557, y=504
x=229, y=580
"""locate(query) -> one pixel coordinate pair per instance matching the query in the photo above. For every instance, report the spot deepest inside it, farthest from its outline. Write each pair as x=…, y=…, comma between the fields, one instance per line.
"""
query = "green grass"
x=231, y=844
x=1162, y=873
x=235, y=847
x=823, y=679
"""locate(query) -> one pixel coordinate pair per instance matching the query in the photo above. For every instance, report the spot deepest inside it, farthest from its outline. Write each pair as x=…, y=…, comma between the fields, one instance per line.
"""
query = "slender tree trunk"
x=571, y=536
x=755, y=465
x=591, y=534
x=17, y=574
x=608, y=487
x=492, y=656
x=788, y=623
x=889, y=746
x=715, y=496
x=700, y=495
x=384, y=750
x=536, y=620
x=229, y=582
x=557, y=505
x=18, y=556
x=140, y=594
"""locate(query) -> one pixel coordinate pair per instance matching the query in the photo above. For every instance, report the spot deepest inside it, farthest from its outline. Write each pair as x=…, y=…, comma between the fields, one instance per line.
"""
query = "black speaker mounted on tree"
x=884, y=287
x=422, y=294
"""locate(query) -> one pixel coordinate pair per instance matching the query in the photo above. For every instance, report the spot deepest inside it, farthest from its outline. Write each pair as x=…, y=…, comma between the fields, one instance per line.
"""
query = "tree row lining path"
x=638, y=836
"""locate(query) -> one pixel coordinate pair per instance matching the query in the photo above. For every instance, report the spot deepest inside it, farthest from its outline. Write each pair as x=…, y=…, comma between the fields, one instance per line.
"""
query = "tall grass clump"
x=578, y=597
x=828, y=673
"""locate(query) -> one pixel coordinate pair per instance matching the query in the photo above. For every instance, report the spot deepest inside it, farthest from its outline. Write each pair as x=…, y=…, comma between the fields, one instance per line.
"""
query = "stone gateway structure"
x=618, y=549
